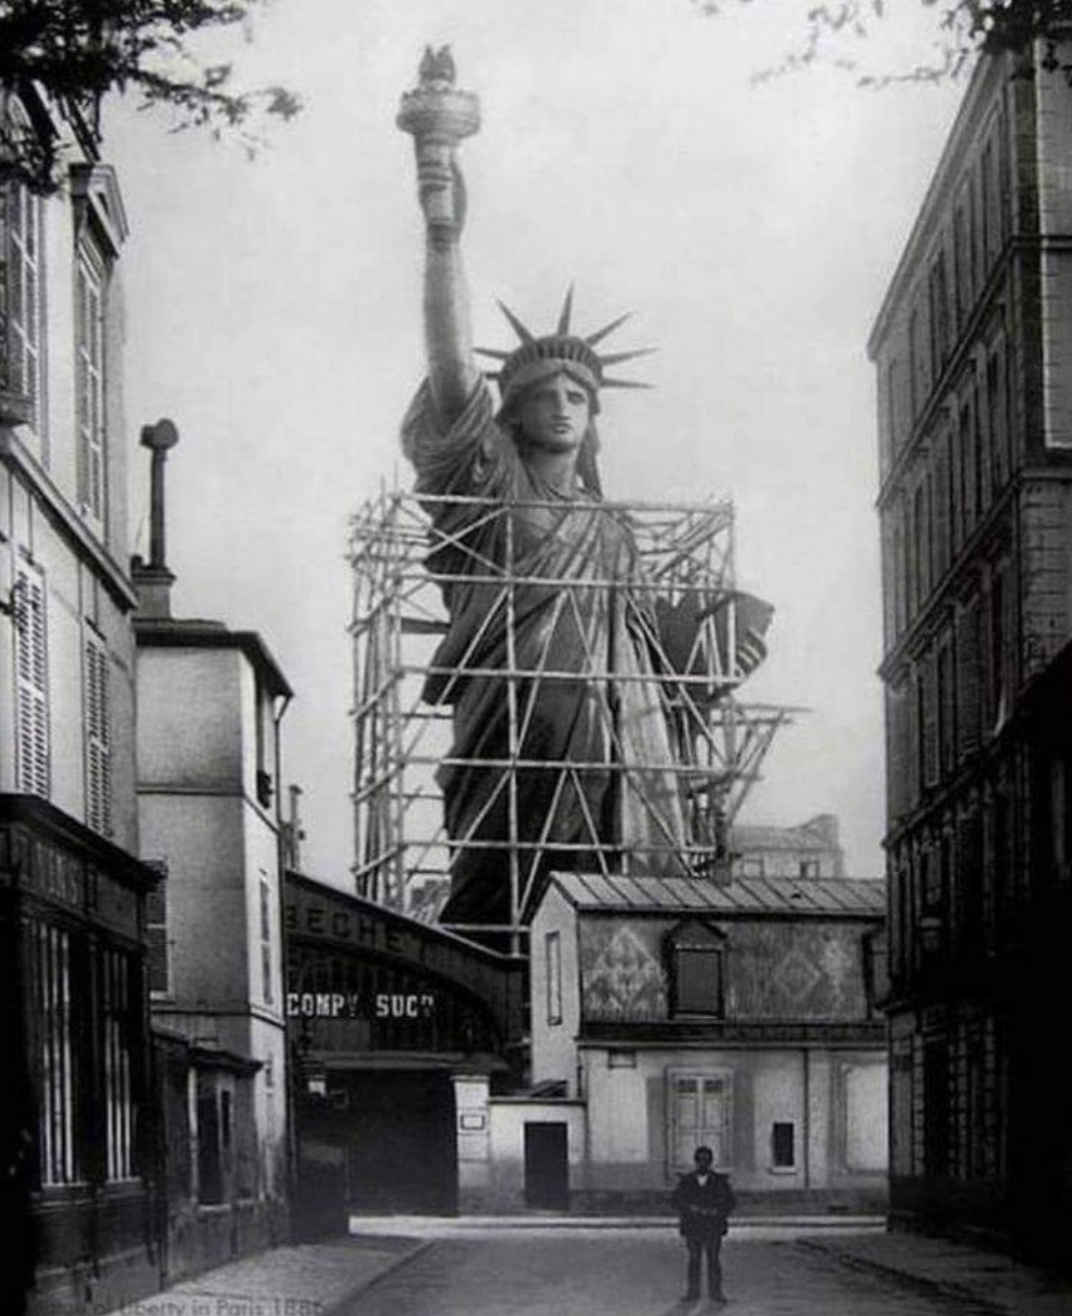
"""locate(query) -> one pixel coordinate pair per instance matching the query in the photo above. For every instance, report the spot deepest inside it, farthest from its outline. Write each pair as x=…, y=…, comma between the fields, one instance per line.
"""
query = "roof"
x=853, y=896
x=196, y=633
x=756, y=836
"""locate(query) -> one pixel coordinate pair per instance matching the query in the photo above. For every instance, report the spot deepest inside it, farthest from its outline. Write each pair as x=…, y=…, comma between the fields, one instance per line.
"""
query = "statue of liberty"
x=553, y=663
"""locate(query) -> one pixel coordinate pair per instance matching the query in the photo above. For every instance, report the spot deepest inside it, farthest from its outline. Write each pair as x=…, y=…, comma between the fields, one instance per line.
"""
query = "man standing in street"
x=703, y=1201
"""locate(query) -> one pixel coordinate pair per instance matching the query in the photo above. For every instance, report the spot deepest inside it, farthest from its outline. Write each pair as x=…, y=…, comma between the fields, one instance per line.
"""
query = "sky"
x=272, y=311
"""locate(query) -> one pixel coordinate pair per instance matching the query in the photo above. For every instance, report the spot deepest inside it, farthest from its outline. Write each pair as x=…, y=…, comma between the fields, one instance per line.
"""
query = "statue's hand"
x=443, y=199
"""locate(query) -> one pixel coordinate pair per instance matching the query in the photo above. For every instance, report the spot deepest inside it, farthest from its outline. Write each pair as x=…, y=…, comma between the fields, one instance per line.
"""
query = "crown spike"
x=624, y=383
x=615, y=358
x=493, y=352
x=600, y=334
x=567, y=313
x=518, y=327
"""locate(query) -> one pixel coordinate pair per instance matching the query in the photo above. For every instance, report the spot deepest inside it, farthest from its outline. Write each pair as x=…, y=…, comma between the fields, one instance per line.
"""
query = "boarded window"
x=553, y=969
x=696, y=965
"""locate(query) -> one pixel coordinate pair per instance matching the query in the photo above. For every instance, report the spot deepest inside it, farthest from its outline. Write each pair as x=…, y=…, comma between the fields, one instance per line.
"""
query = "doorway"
x=546, y=1166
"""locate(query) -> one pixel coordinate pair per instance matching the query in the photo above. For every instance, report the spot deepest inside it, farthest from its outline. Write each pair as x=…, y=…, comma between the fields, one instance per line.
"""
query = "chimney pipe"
x=152, y=578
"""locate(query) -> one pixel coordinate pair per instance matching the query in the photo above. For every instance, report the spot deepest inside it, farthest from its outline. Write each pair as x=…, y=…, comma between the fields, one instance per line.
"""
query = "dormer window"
x=696, y=953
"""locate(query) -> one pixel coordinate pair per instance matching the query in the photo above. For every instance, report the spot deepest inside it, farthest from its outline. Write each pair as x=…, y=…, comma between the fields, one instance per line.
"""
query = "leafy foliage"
x=78, y=51
x=965, y=28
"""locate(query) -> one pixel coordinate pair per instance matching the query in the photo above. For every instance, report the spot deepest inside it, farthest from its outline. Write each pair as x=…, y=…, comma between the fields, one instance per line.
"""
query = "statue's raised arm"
x=438, y=116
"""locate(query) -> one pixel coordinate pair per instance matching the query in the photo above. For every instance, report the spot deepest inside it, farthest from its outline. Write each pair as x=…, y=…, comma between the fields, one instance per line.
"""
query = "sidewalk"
x=309, y=1279
x=992, y=1283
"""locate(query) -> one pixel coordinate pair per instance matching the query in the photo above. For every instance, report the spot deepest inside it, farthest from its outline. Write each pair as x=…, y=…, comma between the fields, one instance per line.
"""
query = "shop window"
x=696, y=954
x=50, y=950
x=120, y=1023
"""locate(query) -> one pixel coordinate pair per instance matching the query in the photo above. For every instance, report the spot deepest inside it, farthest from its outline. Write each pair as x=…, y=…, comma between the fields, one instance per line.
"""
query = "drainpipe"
x=289, y=1104
x=807, y=1117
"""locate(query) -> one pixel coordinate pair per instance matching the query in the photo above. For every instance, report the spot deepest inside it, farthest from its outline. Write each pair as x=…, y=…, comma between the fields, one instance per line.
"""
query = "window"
x=935, y=1107
x=96, y=714
x=89, y=382
x=21, y=290
x=809, y=868
x=783, y=1151
x=999, y=428
x=266, y=942
x=156, y=932
x=700, y=1106
x=50, y=950
x=914, y=390
x=696, y=969
x=751, y=866
x=33, y=749
x=120, y=1021
x=553, y=968
x=938, y=289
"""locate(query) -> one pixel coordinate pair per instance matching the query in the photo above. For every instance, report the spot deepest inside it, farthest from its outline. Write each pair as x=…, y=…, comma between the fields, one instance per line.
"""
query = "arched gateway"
x=388, y=1020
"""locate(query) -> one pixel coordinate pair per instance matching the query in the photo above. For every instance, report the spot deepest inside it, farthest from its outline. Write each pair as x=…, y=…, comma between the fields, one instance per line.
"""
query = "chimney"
x=152, y=579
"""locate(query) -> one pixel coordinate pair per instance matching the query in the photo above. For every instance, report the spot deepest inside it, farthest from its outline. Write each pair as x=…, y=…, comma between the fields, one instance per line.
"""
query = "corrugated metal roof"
x=743, y=895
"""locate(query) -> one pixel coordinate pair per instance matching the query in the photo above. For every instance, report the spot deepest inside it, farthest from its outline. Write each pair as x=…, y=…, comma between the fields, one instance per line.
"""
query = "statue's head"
x=547, y=381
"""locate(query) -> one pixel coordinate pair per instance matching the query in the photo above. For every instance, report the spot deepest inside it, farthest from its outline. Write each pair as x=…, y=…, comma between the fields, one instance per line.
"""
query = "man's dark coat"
x=703, y=1208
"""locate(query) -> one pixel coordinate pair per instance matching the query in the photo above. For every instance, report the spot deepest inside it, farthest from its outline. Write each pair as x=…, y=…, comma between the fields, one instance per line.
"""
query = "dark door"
x=546, y=1166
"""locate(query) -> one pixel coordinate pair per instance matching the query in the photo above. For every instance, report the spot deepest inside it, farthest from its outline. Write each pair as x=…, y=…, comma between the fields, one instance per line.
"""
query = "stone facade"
x=975, y=428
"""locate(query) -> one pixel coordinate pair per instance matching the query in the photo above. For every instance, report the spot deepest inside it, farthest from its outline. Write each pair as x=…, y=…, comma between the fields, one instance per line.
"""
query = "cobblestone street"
x=638, y=1273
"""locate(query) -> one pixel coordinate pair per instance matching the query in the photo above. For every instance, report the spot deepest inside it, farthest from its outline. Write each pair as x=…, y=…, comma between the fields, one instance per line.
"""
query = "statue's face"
x=554, y=414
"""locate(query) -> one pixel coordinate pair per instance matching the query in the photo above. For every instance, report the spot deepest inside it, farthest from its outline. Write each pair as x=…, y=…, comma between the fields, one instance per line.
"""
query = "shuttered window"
x=89, y=383
x=98, y=736
x=701, y=1108
x=21, y=293
x=32, y=749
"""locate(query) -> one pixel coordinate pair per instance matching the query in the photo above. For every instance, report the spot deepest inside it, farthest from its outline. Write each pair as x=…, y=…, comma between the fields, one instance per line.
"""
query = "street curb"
x=403, y=1259
x=738, y=1224
x=921, y=1284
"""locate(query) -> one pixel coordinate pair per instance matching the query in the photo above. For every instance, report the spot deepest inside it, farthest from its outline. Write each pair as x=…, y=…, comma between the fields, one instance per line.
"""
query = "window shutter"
x=97, y=723
x=33, y=756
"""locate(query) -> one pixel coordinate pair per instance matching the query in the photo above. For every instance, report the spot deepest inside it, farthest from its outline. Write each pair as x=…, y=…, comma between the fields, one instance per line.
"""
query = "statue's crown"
x=573, y=352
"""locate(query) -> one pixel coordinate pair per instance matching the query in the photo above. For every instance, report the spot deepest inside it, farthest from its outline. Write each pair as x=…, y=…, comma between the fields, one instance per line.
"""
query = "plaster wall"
x=202, y=840
x=261, y=849
x=190, y=719
x=77, y=606
x=554, y=1053
x=835, y=1102
x=507, y=1117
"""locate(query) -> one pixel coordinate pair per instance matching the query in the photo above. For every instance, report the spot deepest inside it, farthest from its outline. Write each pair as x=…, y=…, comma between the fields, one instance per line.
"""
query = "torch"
x=438, y=117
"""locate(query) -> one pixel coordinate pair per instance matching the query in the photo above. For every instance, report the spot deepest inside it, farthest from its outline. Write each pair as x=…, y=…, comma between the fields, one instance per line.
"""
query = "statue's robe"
x=592, y=731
